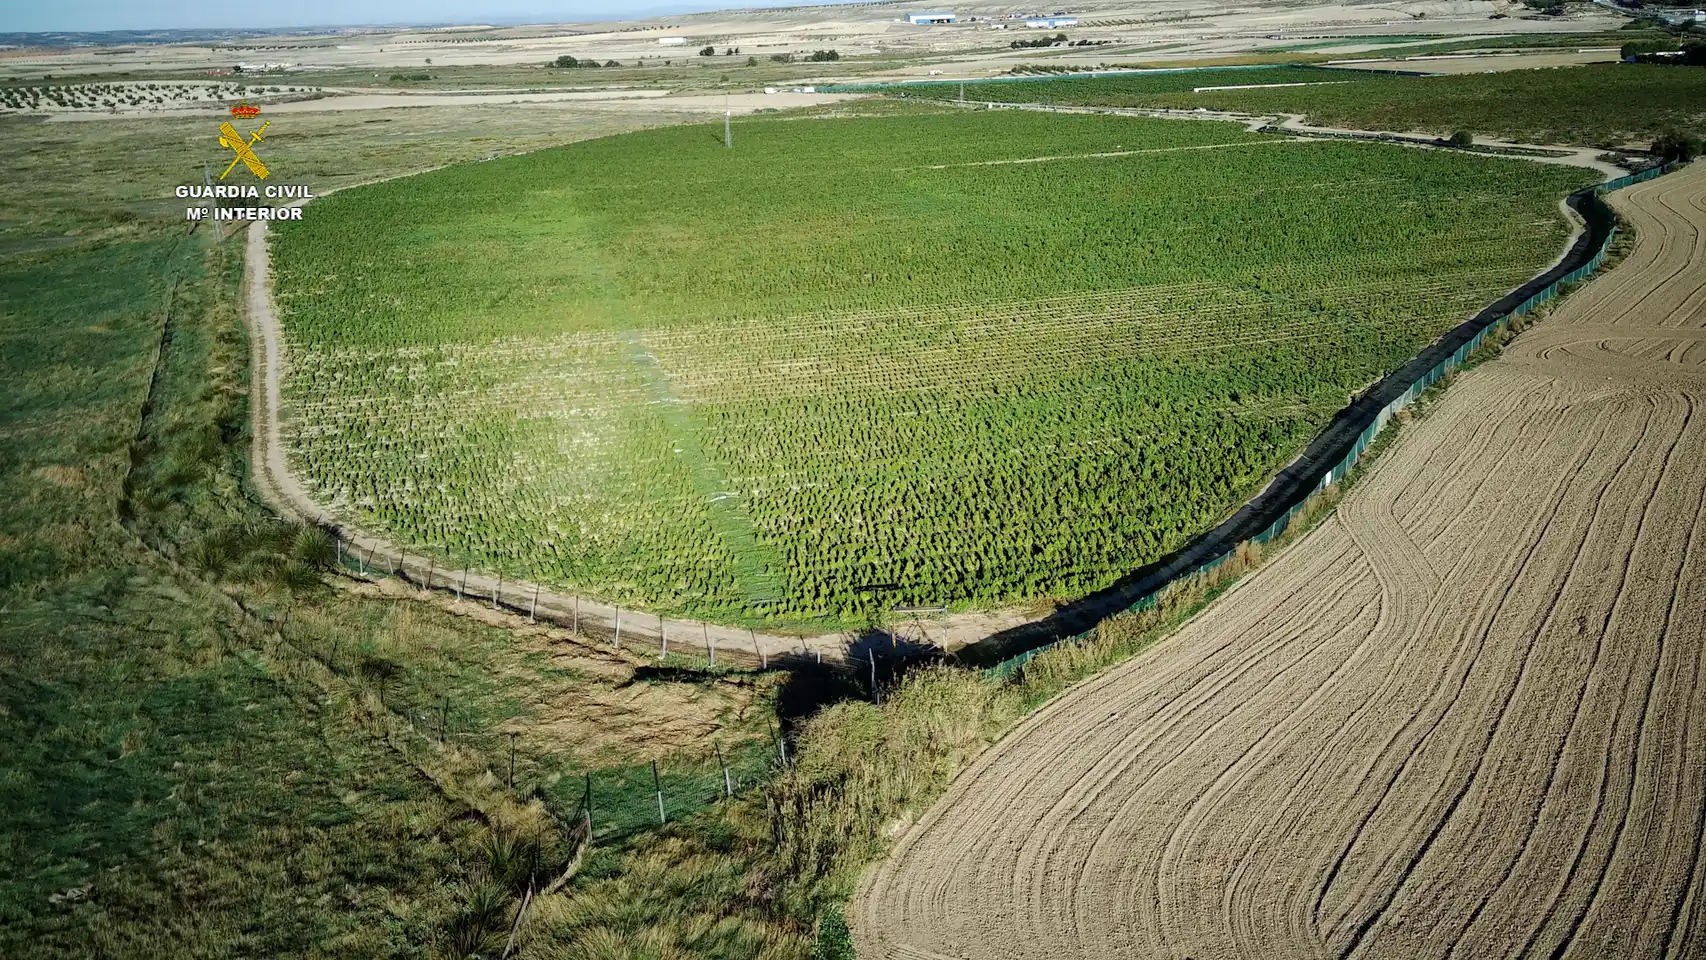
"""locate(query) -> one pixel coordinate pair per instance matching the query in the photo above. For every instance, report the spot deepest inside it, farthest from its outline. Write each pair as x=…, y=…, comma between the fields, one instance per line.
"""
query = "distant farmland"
x=964, y=359
x=1589, y=104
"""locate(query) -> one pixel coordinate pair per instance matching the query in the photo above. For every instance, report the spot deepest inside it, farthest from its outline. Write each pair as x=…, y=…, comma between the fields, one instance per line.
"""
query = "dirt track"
x=1464, y=718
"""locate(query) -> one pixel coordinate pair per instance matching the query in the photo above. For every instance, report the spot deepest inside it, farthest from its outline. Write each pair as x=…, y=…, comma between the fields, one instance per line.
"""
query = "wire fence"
x=692, y=644
x=625, y=800
x=1337, y=471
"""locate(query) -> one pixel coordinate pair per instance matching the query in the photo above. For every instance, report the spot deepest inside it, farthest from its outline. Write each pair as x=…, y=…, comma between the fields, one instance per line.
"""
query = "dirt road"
x=1465, y=718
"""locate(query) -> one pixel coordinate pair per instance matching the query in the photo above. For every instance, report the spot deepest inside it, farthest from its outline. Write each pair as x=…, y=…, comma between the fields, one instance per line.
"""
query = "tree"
x=1676, y=145
x=782, y=58
x=708, y=52
x=611, y=63
x=752, y=61
x=823, y=56
x=565, y=61
x=1462, y=138
x=1637, y=49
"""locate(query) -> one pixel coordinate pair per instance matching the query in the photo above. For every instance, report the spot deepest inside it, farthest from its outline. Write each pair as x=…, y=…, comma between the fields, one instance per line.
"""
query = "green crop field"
x=1127, y=88
x=1593, y=104
x=967, y=358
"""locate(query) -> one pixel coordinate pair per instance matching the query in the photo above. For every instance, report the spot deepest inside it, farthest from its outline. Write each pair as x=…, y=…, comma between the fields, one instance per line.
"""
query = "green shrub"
x=834, y=940
x=1676, y=145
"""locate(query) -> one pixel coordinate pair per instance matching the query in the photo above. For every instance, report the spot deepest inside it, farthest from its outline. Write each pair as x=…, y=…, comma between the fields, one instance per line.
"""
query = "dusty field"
x=1151, y=29
x=585, y=102
x=1488, y=64
x=1464, y=718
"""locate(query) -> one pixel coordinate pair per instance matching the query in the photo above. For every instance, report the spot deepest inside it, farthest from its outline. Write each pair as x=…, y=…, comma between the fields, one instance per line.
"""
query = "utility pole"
x=728, y=130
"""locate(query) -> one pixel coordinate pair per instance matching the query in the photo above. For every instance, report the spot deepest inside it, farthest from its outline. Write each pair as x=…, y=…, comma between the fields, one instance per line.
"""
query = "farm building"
x=1049, y=23
x=673, y=41
x=939, y=16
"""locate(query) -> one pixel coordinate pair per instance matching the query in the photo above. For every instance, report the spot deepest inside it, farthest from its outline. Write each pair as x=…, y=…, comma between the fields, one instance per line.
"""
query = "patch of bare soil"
x=1465, y=718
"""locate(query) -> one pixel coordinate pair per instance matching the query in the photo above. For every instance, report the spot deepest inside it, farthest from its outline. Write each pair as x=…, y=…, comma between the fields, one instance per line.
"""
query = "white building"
x=1049, y=23
x=929, y=17
x=673, y=41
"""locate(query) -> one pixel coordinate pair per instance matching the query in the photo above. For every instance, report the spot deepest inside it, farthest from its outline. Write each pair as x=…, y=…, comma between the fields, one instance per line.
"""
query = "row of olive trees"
x=567, y=62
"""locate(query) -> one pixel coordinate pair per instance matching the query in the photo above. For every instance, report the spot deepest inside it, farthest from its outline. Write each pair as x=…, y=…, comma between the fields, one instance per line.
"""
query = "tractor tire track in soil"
x=1465, y=717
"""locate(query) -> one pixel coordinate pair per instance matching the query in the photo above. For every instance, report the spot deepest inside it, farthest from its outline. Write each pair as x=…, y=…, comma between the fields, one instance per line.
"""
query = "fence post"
x=728, y=784
x=710, y=650
x=657, y=784
x=431, y=566
x=763, y=658
x=577, y=614
x=617, y=642
x=463, y=585
x=663, y=639
x=534, y=607
x=498, y=591
x=512, y=737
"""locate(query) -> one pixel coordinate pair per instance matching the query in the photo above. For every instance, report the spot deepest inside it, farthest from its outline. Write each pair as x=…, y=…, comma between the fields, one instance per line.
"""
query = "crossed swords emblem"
x=229, y=137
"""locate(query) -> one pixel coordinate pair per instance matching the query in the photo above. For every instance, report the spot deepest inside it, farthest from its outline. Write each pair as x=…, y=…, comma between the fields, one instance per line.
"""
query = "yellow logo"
x=229, y=137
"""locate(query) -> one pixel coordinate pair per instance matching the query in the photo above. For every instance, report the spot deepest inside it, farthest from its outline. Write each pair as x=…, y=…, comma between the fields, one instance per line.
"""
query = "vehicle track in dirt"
x=1463, y=718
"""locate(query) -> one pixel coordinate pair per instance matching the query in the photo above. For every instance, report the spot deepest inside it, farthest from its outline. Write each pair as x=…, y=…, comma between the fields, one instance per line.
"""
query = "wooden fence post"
x=710, y=649
x=534, y=607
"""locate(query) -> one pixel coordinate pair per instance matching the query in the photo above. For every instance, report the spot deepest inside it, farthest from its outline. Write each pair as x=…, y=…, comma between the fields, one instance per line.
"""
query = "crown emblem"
x=243, y=111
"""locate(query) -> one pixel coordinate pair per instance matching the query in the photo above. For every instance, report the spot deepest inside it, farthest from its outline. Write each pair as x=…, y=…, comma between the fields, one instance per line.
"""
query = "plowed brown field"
x=1465, y=718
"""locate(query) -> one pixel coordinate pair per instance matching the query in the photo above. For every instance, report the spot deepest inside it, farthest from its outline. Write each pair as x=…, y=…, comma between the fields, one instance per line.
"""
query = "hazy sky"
x=89, y=15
